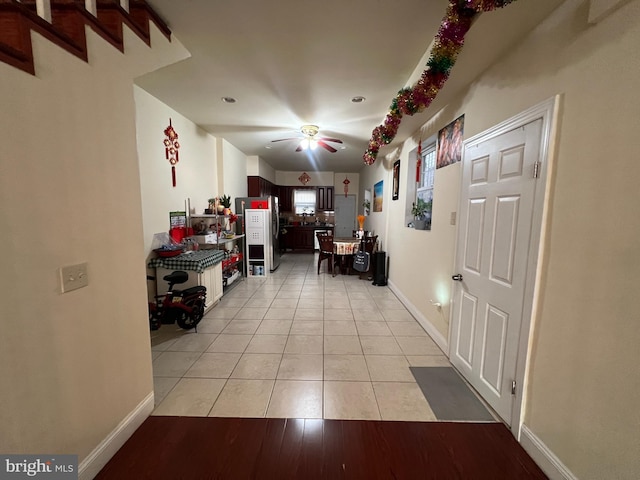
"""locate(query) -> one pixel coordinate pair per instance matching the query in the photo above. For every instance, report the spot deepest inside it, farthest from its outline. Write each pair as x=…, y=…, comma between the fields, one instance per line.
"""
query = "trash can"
x=380, y=267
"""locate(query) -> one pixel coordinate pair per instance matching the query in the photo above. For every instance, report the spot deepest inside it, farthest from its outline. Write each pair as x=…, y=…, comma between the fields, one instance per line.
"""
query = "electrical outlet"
x=73, y=277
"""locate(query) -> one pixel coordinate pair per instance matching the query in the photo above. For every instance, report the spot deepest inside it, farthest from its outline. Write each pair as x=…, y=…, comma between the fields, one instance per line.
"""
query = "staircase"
x=63, y=23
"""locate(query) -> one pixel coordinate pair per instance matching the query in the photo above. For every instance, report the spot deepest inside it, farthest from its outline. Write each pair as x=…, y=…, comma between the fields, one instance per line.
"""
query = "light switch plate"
x=73, y=277
x=452, y=219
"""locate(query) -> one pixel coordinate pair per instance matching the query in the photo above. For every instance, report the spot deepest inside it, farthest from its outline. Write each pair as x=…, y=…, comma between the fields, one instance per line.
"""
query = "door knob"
x=457, y=277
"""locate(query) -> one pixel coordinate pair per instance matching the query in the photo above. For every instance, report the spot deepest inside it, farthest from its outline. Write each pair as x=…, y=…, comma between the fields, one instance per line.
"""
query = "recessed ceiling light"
x=268, y=147
x=228, y=100
x=358, y=99
x=343, y=147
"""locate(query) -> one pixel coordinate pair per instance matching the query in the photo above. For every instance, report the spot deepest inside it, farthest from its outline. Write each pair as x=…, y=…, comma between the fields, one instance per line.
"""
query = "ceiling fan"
x=311, y=141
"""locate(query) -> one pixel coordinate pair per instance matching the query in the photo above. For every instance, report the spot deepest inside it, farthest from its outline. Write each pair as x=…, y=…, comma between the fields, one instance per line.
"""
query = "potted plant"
x=225, y=203
x=367, y=206
x=421, y=211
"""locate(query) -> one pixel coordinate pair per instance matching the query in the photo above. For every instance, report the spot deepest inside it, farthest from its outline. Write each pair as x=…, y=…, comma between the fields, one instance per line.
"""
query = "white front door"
x=495, y=240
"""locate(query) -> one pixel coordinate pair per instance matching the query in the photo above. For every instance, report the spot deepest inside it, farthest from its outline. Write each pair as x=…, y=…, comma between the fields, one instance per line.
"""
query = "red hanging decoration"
x=346, y=185
x=419, y=161
x=171, y=147
x=304, y=178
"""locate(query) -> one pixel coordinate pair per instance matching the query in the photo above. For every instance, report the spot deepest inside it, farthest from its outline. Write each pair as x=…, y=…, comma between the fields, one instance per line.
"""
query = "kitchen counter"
x=300, y=237
x=197, y=261
x=308, y=225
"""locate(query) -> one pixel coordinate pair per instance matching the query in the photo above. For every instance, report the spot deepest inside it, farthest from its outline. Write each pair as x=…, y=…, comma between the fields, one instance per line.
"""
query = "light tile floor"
x=297, y=345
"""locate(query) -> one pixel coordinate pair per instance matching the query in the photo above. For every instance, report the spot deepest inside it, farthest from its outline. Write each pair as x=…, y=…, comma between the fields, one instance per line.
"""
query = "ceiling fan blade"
x=326, y=146
x=284, y=139
x=330, y=139
x=299, y=149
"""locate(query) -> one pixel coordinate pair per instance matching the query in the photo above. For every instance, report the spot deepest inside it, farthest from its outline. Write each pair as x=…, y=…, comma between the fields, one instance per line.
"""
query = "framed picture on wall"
x=377, y=196
x=450, y=143
x=396, y=180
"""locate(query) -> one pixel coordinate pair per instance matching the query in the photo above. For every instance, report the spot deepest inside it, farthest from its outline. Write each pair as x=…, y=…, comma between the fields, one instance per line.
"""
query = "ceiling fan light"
x=304, y=143
x=313, y=144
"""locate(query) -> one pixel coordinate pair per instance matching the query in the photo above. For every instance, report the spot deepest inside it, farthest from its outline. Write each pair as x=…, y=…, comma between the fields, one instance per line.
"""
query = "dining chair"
x=325, y=240
x=370, y=245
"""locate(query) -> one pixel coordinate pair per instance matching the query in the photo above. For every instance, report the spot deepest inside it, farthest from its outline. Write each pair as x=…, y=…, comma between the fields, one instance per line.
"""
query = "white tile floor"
x=297, y=345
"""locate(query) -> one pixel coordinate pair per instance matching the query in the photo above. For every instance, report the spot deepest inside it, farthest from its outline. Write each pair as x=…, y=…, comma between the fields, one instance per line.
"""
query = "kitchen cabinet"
x=260, y=187
x=285, y=198
x=324, y=198
x=302, y=238
x=286, y=239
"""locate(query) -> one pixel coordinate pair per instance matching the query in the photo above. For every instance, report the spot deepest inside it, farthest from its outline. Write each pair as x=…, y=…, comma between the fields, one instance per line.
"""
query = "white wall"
x=258, y=167
x=583, y=388
x=318, y=179
x=233, y=178
x=73, y=365
x=196, y=172
x=354, y=186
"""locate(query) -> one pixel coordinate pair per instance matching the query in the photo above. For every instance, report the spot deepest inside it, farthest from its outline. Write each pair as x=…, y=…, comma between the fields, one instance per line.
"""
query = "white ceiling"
x=294, y=62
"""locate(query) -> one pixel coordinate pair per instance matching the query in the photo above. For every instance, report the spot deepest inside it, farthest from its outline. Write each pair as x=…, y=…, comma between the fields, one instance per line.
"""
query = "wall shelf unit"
x=233, y=264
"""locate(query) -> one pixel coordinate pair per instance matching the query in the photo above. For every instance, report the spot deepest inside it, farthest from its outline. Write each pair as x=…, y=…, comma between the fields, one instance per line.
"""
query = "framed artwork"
x=396, y=180
x=450, y=143
x=377, y=196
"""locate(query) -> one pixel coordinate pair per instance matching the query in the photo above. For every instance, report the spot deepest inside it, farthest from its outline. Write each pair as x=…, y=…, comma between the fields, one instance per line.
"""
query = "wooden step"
x=67, y=27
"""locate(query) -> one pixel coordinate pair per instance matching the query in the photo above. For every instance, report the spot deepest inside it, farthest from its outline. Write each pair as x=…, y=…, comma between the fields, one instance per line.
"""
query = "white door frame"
x=549, y=112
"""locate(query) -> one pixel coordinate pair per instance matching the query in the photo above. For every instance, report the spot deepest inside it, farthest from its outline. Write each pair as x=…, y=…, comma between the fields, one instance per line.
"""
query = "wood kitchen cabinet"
x=302, y=238
x=260, y=187
x=324, y=198
x=285, y=198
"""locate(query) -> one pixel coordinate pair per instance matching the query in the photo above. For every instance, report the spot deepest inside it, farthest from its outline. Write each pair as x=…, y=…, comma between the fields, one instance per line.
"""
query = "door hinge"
x=536, y=170
x=513, y=387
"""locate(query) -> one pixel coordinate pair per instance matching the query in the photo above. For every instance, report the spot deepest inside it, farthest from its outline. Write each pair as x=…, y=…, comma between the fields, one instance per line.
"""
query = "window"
x=304, y=201
x=427, y=174
x=420, y=182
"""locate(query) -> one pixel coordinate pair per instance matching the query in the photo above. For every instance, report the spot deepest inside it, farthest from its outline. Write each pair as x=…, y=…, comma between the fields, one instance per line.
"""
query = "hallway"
x=297, y=345
x=306, y=376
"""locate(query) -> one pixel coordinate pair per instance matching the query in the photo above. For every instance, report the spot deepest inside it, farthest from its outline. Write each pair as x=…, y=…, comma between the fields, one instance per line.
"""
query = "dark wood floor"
x=244, y=448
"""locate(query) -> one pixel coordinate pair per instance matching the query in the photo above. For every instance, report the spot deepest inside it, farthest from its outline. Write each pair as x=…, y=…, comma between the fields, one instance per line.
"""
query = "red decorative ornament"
x=346, y=185
x=304, y=178
x=171, y=147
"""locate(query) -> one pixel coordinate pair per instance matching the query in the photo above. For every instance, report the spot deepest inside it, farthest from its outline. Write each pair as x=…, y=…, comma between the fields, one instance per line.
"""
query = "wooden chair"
x=326, y=250
x=370, y=243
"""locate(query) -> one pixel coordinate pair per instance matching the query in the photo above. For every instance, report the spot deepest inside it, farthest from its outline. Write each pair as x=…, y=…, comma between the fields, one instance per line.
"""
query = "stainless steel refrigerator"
x=270, y=203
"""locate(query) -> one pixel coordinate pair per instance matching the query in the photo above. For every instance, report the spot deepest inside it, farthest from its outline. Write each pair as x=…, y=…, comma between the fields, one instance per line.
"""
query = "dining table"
x=345, y=247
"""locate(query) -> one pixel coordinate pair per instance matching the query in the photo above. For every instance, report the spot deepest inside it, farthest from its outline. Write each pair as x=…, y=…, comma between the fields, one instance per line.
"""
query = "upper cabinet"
x=324, y=198
x=260, y=187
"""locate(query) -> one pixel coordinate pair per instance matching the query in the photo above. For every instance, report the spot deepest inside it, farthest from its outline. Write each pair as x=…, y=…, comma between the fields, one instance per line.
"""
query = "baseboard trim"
x=98, y=458
x=437, y=337
x=543, y=456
